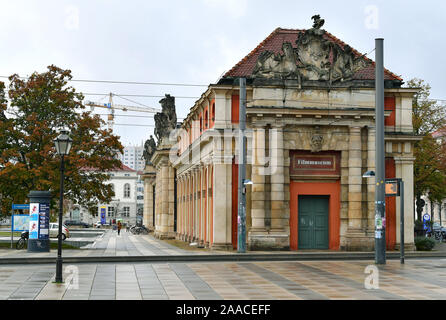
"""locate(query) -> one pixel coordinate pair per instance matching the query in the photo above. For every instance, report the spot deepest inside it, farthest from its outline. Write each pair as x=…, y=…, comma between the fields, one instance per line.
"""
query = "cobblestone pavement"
x=417, y=279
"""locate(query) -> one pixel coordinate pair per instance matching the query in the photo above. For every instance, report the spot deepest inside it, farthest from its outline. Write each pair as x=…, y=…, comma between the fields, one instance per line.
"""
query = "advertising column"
x=39, y=221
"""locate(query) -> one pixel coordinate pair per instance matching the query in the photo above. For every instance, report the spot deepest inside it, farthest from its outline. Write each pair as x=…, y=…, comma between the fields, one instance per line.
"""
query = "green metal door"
x=313, y=222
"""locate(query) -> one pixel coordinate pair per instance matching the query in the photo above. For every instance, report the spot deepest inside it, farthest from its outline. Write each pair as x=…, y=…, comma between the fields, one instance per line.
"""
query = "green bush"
x=424, y=244
x=419, y=225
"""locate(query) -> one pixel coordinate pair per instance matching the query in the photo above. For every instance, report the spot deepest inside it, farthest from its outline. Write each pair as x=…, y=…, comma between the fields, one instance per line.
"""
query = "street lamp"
x=63, y=146
x=369, y=174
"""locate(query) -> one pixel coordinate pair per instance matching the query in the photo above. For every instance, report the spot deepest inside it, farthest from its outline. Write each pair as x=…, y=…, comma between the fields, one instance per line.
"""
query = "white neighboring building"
x=132, y=157
x=124, y=205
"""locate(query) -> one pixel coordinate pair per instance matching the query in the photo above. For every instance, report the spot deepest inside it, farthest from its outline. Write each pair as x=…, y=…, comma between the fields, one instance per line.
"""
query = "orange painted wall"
x=211, y=240
x=333, y=190
x=390, y=208
x=206, y=118
x=235, y=103
x=389, y=105
x=212, y=114
x=205, y=192
x=200, y=118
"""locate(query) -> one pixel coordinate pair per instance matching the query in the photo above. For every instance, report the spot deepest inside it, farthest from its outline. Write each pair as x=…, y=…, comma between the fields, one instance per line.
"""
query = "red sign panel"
x=320, y=163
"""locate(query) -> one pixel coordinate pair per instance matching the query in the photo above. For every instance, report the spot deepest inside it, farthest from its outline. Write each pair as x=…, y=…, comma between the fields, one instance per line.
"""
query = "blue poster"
x=426, y=219
x=44, y=221
x=33, y=221
x=103, y=215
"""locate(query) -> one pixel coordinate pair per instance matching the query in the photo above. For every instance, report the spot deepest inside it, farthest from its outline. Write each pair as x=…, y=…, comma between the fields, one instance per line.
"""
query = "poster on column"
x=103, y=215
x=44, y=221
x=33, y=221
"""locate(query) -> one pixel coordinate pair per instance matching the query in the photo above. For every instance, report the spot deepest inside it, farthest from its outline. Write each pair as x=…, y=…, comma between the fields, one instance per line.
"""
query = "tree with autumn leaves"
x=430, y=156
x=38, y=108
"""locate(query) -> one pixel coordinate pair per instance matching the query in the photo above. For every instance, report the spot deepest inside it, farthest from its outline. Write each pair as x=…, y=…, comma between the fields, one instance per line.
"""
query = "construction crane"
x=112, y=107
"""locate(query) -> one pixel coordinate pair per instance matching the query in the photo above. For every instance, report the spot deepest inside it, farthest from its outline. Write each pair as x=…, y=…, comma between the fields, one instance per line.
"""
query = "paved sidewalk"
x=111, y=248
x=110, y=244
x=417, y=279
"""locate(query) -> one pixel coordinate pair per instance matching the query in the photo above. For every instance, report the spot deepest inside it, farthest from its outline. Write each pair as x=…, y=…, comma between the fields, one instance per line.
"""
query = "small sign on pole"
x=426, y=219
x=395, y=188
x=20, y=207
x=392, y=188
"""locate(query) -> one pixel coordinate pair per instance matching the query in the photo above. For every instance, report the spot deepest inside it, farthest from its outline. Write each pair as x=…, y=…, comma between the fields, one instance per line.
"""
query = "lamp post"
x=241, y=219
x=63, y=146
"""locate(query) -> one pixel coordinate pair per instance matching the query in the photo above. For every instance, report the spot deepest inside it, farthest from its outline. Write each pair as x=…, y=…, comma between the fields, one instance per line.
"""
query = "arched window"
x=127, y=190
x=206, y=119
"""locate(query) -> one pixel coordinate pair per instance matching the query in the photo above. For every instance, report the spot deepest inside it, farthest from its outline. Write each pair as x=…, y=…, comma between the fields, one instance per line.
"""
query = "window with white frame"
x=126, y=211
x=127, y=190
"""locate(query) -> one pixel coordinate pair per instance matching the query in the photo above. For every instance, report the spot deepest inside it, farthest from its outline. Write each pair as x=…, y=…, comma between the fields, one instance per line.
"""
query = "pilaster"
x=149, y=178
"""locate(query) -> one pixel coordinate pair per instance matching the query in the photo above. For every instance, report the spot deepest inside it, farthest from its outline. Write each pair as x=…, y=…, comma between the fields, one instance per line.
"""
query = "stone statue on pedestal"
x=166, y=120
x=149, y=149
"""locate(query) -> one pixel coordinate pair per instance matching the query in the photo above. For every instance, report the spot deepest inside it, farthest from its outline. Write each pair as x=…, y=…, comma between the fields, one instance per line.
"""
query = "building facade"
x=132, y=157
x=310, y=137
x=128, y=198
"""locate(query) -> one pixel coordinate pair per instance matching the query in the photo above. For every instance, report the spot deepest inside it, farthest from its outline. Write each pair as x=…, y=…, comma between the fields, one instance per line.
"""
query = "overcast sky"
x=195, y=41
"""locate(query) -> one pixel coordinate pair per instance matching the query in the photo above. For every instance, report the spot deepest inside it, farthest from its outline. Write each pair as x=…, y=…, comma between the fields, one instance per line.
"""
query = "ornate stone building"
x=311, y=136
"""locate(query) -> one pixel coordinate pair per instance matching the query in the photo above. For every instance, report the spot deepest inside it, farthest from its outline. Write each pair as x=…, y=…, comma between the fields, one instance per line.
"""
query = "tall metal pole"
x=380, y=205
x=241, y=238
x=59, y=241
x=401, y=221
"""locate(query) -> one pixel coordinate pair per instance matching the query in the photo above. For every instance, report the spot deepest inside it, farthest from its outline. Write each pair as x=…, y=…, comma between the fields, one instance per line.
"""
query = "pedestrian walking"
x=119, y=227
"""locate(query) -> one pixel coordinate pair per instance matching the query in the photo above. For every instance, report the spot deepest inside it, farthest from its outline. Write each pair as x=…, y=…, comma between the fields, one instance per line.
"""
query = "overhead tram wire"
x=169, y=84
x=131, y=82
x=131, y=116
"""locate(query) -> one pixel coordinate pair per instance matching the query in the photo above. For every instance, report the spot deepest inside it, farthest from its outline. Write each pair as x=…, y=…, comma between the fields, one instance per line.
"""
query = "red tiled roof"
x=274, y=43
x=439, y=133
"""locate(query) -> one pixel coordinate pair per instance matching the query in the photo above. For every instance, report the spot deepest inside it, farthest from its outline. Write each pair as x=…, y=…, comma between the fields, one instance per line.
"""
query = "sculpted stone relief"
x=317, y=140
x=315, y=58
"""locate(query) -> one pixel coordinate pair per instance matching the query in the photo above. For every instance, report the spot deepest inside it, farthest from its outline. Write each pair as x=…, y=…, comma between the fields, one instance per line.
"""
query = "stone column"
x=354, y=180
x=208, y=205
x=404, y=170
x=158, y=200
x=179, y=208
x=149, y=178
x=197, y=205
x=194, y=204
x=171, y=219
x=165, y=199
x=164, y=194
x=201, y=213
x=357, y=239
x=189, y=206
x=371, y=181
x=277, y=179
x=258, y=179
x=258, y=237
